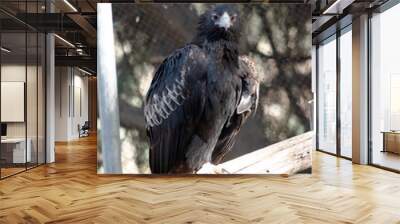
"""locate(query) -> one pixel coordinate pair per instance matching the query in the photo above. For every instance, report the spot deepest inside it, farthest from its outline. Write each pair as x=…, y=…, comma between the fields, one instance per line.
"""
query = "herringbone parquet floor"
x=70, y=191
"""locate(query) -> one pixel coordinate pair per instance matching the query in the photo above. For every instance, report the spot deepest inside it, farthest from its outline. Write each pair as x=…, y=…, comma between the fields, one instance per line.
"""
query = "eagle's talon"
x=209, y=168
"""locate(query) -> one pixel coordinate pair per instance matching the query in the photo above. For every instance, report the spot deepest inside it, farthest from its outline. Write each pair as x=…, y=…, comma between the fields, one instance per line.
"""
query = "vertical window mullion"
x=26, y=86
x=0, y=92
x=317, y=97
x=338, y=73
x=369, y=55
x=37, y=90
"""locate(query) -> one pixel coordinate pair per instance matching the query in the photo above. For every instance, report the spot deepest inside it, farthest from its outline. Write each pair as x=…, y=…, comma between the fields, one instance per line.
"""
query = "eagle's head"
x=220, y=23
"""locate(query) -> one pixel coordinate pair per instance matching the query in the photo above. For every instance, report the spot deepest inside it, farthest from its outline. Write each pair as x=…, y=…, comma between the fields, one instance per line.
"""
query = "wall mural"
x=205, y=89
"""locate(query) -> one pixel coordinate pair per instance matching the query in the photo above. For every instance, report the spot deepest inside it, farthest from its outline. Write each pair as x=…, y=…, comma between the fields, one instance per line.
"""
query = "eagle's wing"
x=246, y=105
x=174, y=104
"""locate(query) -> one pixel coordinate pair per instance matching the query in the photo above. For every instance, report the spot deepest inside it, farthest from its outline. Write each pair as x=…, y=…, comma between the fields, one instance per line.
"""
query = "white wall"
x=62, y=81
x=70, y=84
x=33, y=126
x=12, y=73
x=80, y=85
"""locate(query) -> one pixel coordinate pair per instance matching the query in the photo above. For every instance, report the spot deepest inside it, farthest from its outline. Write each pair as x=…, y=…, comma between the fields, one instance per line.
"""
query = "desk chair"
x=84, y=130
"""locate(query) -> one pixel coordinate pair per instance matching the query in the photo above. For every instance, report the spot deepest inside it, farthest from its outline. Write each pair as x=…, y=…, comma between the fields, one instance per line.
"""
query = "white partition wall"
x=71, y=102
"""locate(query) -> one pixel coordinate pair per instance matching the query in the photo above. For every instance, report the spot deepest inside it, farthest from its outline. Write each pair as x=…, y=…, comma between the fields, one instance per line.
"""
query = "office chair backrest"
x=86, y=125
x=3, y=129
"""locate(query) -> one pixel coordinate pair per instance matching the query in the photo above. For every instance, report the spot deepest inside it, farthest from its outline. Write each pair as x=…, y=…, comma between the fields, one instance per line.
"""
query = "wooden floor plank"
x=70, y=191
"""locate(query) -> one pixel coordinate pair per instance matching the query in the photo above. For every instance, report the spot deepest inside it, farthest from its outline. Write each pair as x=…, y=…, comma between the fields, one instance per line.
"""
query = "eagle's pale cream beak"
x=225, y=21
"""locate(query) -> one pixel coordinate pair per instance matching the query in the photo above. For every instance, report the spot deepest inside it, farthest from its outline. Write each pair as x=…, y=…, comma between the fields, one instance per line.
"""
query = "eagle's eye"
x=214, y=17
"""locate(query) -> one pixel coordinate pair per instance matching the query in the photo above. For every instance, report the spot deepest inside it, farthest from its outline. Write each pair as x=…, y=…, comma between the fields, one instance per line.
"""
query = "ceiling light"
x=70, y=5
x=5, y=50
x=65, y=41
x=328, y=10
x=80, y=51
x=84, y=71
x=337, y=7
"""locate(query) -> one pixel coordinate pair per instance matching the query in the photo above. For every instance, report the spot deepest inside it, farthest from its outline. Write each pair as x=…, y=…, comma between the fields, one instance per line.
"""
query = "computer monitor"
x=3, y=129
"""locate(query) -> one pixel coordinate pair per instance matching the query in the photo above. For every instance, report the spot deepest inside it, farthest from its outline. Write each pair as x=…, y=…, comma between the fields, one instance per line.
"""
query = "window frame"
x=333, y=37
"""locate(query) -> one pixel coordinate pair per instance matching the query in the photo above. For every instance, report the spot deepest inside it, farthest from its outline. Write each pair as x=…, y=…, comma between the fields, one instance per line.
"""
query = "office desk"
x=16, y=147
x=391, y=141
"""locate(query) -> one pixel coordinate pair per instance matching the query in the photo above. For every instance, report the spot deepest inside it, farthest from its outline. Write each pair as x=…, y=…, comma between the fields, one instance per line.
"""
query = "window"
x=346, y=93
x=327, y=96
x=22, y=77
x=385, y=89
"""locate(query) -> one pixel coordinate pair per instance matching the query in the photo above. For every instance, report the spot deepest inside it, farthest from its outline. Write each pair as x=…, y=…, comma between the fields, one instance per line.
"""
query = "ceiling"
x=74, y=22
x=332, y=15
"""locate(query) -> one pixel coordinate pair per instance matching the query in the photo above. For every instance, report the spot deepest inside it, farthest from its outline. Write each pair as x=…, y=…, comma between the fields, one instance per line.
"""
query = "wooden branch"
x=286, y=157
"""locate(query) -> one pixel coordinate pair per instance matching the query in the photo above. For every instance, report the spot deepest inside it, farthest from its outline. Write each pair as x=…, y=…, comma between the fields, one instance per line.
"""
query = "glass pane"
x=31, y=86
x=327, y=96
x=41, y=99
x=13, y=88
x=31, y=98
x=346, y=94
x=385, y=91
